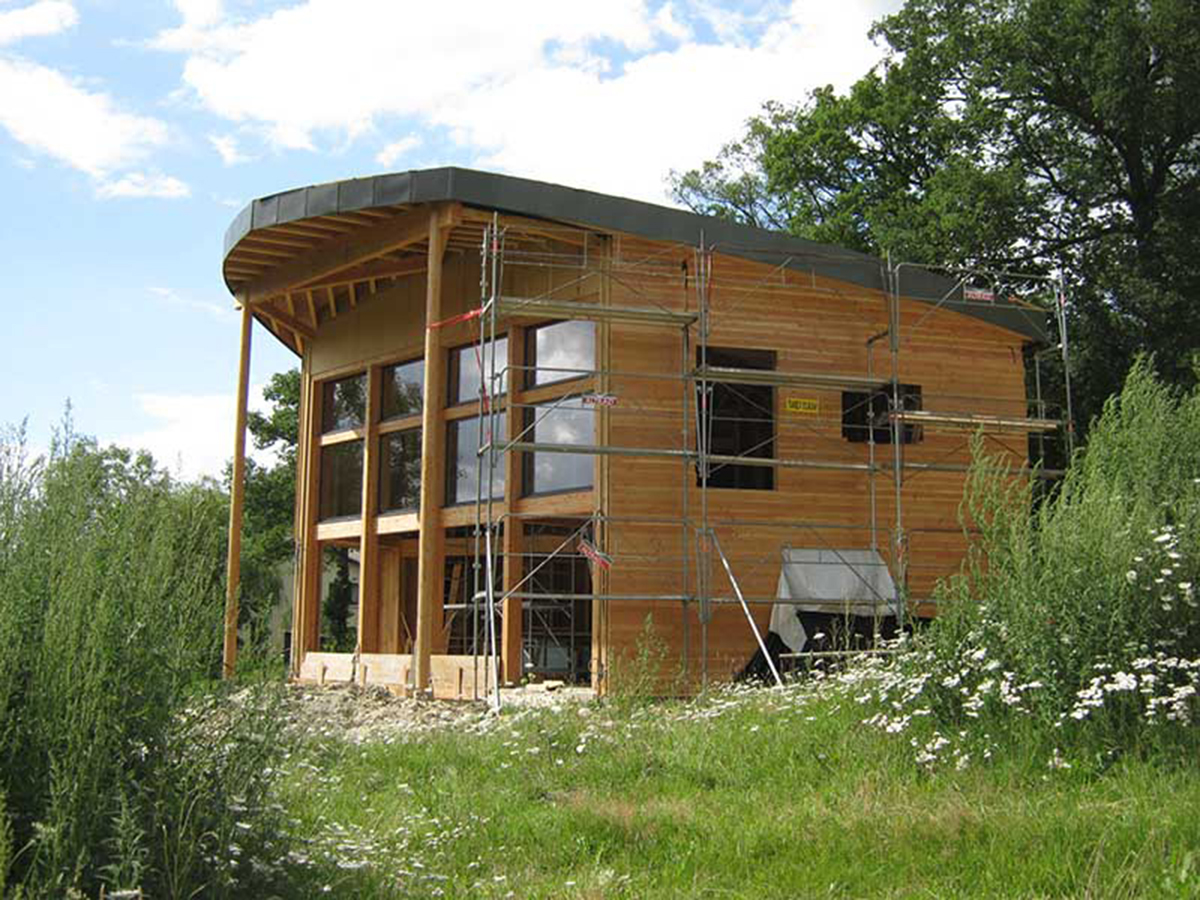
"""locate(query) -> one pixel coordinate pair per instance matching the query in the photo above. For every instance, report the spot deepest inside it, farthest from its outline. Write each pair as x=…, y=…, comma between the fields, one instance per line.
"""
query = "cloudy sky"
x=131, y=133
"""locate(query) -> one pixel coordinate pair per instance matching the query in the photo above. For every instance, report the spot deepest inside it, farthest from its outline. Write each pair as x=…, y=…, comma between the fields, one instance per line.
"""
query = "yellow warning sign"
x=804, y=406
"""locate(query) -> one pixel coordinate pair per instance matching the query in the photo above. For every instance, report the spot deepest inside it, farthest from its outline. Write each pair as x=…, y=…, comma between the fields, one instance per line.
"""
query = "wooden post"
x=511, y=651
x=433, y=448
x=368, y=547
x=237, y=491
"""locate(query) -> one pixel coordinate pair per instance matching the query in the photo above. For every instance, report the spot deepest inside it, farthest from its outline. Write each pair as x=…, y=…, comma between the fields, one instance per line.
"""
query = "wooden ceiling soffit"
x=377, y=268
x=346, y=252
x=286, y=319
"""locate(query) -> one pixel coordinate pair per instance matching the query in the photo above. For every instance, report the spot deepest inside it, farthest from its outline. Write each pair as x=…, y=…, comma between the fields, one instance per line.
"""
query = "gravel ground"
x=373, y=714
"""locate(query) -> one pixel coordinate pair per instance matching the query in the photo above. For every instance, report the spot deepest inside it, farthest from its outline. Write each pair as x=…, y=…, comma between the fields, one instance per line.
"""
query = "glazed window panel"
x=464, y=469
x=344, y=403
x=341, y=480
x=556, y=352
x=400, y=481
x=465, y=369
x=568, y=422
x=403, y=390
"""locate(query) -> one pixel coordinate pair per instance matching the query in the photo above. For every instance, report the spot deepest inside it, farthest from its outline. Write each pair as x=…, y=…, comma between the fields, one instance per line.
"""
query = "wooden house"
x=602, y=419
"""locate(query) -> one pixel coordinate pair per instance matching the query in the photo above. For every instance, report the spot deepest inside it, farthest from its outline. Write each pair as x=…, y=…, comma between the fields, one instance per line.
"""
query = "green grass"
x=771, y=797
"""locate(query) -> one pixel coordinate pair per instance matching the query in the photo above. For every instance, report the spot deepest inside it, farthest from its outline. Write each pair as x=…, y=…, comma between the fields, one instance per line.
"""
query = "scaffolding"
x=578, y=266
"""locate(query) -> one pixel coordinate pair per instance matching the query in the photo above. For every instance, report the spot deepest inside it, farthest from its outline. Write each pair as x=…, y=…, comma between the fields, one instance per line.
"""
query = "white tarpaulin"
x=841, y=582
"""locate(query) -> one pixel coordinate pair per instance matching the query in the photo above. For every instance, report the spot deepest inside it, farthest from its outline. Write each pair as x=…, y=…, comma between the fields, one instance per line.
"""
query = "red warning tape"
x=454, y=320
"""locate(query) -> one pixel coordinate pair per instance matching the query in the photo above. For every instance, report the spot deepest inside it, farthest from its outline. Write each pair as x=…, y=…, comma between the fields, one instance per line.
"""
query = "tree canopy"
x=1049, y=136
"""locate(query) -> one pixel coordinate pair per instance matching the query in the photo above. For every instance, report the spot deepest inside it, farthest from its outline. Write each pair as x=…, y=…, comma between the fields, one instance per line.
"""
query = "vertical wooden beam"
x=368, y=547
x=514, y=529
x=301, y=536
x=237, y=489
x=433, y=449
x=311, y=587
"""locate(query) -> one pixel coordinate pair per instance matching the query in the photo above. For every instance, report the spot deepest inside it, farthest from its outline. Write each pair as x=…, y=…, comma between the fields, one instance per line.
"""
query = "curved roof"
x=309, y=215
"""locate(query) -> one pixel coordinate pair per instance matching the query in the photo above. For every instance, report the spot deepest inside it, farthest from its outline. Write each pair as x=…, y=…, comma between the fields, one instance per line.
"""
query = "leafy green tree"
x=269, y=506
x=1041, y=135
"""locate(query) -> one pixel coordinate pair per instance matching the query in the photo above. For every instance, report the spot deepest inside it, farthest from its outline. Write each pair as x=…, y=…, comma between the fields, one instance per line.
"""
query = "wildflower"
x=1131, y=576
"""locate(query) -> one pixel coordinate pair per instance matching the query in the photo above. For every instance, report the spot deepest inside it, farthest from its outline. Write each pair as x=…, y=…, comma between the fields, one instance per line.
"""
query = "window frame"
x=529, y=457
x=454, y=367
x=707, y=412
x=530, y=369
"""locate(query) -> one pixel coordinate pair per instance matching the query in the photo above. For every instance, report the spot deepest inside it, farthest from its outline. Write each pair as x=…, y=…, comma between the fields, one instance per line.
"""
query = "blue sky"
x=132, y=132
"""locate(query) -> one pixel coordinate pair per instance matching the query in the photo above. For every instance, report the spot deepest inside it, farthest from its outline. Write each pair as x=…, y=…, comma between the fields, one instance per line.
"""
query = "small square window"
x=866, y=414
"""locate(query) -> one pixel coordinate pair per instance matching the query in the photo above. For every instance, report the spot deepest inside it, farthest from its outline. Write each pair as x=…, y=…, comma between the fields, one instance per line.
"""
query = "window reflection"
x=400, y=484
x=568, y=422
x=341, y=480
x=464, y=369
x=403, y=390
x=344, y=403
x=563, y=345
x=464, y=469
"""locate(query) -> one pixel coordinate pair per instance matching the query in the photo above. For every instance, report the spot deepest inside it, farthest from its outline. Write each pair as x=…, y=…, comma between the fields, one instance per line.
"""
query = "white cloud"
x=36, y=20
x=174, y=298
x=531, y=86
x=396, y=150
x=227, y=148
x=49, y=113
x=141, y=185
x=191, y=434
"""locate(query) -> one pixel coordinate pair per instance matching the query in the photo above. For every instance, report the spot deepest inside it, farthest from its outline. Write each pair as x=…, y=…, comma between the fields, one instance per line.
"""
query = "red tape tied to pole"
x=454, y=320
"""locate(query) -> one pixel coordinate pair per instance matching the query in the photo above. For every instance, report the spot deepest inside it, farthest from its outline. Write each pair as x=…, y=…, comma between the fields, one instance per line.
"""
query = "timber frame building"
x=547, y=420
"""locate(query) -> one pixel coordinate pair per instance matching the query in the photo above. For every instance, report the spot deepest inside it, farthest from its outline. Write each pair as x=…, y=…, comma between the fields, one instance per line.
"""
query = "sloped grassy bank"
x=1038, y=739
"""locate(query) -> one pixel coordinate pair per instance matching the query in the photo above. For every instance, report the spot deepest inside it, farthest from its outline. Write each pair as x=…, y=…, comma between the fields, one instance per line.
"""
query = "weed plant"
x=115, y=767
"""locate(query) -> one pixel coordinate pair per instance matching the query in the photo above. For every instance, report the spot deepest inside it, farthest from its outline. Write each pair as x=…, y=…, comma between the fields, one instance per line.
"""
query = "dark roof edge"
x=538, y=199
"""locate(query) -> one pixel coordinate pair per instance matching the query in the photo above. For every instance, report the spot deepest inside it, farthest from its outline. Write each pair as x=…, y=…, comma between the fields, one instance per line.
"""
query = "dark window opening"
x=400, y=486
x=556, y=627
x=738, y=420
x=866, y=414
x=344, y=403
x=465, y=621
x=341, y=480
x=403, y=390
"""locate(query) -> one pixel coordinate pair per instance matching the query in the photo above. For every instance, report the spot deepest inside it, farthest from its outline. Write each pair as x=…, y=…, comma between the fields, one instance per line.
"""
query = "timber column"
x=237, y=491
x=433, y=452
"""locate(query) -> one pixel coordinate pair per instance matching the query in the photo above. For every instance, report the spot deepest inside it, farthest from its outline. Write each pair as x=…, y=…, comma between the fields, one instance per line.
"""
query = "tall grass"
x=114, y=768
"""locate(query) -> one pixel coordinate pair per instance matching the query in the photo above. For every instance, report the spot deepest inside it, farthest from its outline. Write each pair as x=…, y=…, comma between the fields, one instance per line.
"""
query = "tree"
x=1044, y=135
x=269, y=506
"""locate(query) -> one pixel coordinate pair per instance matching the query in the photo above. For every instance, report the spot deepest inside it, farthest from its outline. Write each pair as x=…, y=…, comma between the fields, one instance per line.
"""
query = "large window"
x=400, y=481
x=344, y=403
x=465, y=466
x=341, y=480
x=739, y=420
x=343, y=407
x=866, y=414
x=403, y=390
x=560, y=351
x=465, y=363
x=555, y=422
